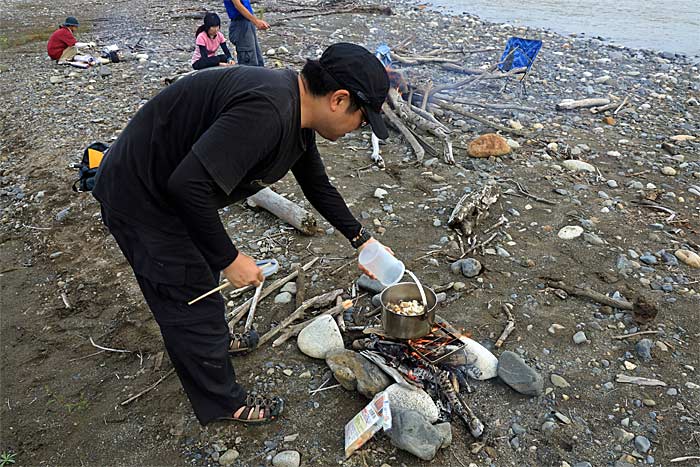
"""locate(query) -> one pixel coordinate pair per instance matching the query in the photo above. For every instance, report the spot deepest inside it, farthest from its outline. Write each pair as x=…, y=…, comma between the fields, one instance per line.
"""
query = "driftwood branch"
x=459, y=110
x=472, y=208
x=398, y=124
x=295, y=329
x=570, y=104
x=291, y=213
x=149, y=388
x=319, y=300
x=383, y=10
x=486, y=105
x=589, y=293
x=510, y=325
x=236, y=314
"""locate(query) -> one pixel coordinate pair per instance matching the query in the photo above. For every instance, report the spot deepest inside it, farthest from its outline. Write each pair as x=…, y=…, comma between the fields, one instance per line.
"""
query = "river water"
x=667, y=25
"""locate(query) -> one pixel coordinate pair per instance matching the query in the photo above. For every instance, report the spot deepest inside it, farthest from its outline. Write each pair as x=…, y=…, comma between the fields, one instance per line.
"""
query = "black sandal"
x=250, y=413
x=243, y=342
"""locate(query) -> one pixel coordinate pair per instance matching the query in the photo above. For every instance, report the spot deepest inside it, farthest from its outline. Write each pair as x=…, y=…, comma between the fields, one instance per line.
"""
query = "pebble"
x=642, y=443
x=380, y=193
x=554, y=328
x=570, y=232
x=643, y=349
x=469, y=267
x=593, y=239
x=668, y=170
x=229, y=457
x=287, y=459
x=672, y=392
x=559, y=381
x=580, y=337
x=289, y=287
x=612, y=183
x=513, y=370
x=284, y=297
x=688, y=257
x=355, y=373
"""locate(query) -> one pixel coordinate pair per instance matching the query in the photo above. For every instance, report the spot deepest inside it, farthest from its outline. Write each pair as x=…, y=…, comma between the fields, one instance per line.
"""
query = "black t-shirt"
x=210, y=139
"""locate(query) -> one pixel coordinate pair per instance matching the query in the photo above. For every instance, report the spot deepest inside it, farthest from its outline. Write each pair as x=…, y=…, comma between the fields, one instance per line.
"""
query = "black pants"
x=206, y=62
x=196, y=337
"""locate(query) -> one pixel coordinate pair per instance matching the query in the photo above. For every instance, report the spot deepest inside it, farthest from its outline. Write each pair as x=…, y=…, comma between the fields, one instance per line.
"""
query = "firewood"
x=570, y=104
x=472, y=208
x=291, y=213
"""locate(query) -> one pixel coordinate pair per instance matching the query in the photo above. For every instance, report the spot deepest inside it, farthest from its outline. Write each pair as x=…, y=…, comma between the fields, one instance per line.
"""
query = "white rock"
x=270, y=52
x=282, y=50
x=229, y=457
x=417, y=400
x=380, y=193
x=554, y=328
x=570, y=232
x=287, y=459
x=290, y=287
x=513, y=144
x=554, y=147
x=284, y=297
x=668, y=170
x=682, y=138
x=483, y=359
x=320, y=337
x=580, y=337
x=577, y=165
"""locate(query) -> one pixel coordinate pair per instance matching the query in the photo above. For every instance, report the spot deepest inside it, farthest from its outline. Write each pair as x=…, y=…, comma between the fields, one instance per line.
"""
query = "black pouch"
x=87, y=169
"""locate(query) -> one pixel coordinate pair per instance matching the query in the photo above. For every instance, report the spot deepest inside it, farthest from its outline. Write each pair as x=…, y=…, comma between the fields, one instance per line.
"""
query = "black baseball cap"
x=363, y=75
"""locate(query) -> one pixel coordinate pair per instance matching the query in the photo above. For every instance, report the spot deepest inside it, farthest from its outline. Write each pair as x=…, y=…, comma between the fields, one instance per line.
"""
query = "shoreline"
x=445, y=10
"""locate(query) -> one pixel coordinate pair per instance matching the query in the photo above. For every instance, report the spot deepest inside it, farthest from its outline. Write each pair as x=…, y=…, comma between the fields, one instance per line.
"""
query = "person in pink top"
x=208, y=41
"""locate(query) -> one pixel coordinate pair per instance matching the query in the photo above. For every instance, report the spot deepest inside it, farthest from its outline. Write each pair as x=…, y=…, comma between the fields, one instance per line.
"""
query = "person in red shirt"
x=62, y=45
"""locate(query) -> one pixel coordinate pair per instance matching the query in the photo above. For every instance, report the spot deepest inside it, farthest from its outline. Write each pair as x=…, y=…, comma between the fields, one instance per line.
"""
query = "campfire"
x=437, y=363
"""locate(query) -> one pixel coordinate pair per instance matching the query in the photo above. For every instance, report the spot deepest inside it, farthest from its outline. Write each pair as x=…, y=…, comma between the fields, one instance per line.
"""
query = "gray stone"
x=355, y=372
x=559, y=381
x=445, y=430
x=518, y=429
x=548, y=427
x=518, y=375
x=648, y=259
x=287, y=459
x=320, y=337
x=416, y=400
x=643, y=348
x=593, y=239
x=229, y=457
x=411, y=432
x=580, y=337
x=623, y=436
x=469, y=267
x=284, y=297
x=642, y=443
x=290, y=287
x=582, y=464
x=371, y=285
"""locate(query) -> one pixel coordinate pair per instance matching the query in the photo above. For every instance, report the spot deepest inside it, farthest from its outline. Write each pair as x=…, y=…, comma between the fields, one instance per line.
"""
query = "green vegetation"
x=7, y=458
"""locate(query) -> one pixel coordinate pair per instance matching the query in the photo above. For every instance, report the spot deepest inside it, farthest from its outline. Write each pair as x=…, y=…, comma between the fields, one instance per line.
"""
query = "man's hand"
x=262, y=25
x=364, y=269
x=243, y=271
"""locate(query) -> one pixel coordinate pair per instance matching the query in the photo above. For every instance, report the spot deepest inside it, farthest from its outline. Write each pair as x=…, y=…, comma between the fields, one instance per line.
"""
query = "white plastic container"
x=381, y=263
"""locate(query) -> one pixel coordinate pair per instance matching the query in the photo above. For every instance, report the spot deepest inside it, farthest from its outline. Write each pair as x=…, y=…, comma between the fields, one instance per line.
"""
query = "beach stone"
x=417, y=400
x=570, y=232
x=355, y=372
x=287, y=459
x=580, y=338
x=469, y=267
x=445, y=430
x=643, y=348
x=380, y=193
x=688, y=257
x=642, y=444
x=284, y=297
x=518, y=375
x=411, y=432
x=559, y=381
x=612, y=183
x=577, y=165
x=320, y=337
x=290, y=287
x=668, y=171
x=593, y=239
x=488, y=145
x=229, y=457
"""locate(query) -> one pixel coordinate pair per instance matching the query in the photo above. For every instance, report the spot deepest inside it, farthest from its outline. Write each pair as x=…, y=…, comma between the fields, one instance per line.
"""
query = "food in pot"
x=403, y=308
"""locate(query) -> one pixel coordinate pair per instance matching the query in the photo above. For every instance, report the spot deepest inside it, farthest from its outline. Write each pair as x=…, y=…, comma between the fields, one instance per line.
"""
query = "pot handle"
x=422, y=295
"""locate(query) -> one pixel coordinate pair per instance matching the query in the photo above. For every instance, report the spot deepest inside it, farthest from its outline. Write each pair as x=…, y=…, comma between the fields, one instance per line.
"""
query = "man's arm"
x=311, y=175
x=258, y=23
x=191, y=193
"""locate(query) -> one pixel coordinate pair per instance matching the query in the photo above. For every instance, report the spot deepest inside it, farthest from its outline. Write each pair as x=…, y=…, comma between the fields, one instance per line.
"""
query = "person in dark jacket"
x=211, y=139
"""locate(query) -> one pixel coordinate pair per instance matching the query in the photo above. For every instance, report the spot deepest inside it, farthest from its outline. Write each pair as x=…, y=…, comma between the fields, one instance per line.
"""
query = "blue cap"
x=71, y=21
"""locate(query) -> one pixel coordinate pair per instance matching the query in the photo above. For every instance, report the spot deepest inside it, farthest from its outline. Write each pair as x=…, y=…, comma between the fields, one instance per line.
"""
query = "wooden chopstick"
x=222, y=287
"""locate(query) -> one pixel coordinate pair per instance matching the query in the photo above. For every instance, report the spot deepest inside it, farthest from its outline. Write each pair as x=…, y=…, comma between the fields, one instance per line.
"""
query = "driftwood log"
x=472, y=208
x=291, y=213
x=570, y=104
x=403, y=110
x=396, y=122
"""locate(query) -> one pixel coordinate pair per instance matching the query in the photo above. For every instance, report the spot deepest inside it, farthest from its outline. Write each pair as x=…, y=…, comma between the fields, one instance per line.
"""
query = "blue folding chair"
x=519, y=53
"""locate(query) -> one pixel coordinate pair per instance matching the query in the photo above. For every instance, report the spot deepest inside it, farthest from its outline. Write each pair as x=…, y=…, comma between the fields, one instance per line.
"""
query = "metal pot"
x=407, y=327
